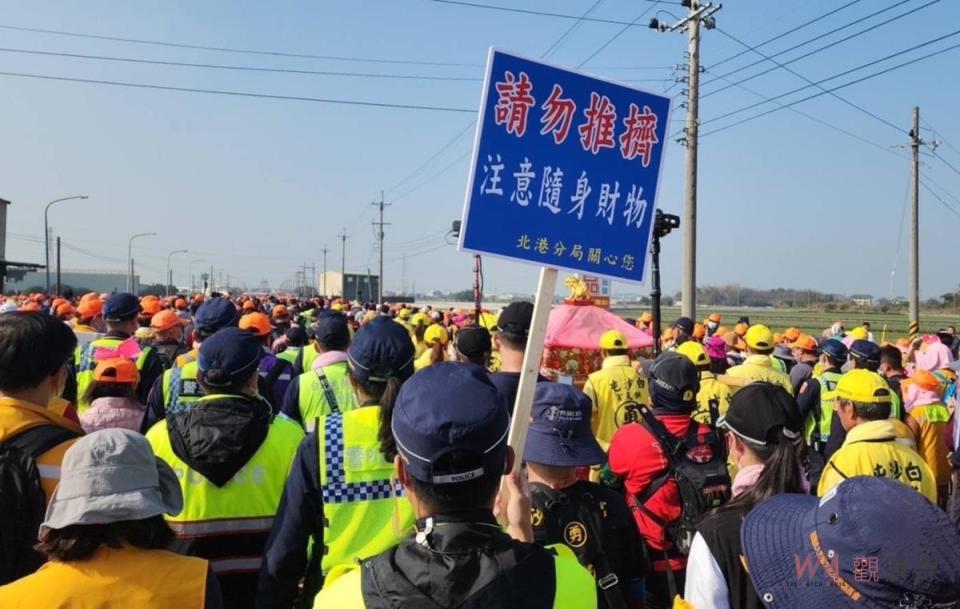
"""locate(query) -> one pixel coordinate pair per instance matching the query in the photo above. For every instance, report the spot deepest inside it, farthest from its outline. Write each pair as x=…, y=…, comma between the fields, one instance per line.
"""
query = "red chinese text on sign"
x=558, y=115
x=514, y=103
x=640, y=136
x=601, y=123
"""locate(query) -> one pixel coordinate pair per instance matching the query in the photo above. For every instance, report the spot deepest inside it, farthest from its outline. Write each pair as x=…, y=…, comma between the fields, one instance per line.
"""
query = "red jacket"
x=637, y=457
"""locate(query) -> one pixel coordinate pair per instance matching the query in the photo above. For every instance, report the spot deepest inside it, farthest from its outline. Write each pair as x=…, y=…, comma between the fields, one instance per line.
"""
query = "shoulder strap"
x=607, y=579
x=714, y=405
x=328, y=391
x=298, y=361
x=38, y=440
x=664, y=437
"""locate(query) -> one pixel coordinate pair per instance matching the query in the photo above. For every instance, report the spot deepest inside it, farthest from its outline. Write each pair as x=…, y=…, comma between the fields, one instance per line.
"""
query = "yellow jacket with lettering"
x=613, y=390
x=760, y=368
x=873, y=449
x=711, y=389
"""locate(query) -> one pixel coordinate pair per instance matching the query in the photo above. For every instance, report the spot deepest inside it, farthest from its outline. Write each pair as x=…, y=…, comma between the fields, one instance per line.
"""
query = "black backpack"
x=22, y=503
x=699, y=467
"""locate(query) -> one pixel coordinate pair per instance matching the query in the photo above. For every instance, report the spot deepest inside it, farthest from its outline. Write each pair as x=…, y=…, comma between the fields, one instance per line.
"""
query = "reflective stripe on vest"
x=312, y=399
x=828, y=393
x=364, y=508
x=86, y=362
x=244, y=506
x=236, y=565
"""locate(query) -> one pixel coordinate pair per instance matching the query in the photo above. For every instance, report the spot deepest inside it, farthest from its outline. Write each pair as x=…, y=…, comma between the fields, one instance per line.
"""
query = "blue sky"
x=256, y=187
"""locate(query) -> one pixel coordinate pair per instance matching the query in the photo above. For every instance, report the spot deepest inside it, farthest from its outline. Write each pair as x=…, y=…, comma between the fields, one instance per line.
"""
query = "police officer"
x=351, y=507
x=231, y=456
x=815, y=401
x=179, y=384
x=450, y=425
x=325, y=388
x=593, y=520
x=120, y=313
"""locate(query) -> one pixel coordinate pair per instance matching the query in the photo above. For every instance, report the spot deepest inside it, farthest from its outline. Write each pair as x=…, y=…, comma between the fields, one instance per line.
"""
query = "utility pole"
x=325, y=271
x=699, y=13
x=58, y=267
x=343, y=262
x=380, y=225
x=915, y=142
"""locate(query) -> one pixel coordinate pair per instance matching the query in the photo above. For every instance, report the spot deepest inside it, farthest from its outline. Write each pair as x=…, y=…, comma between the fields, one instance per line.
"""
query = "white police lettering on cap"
x=460, y=477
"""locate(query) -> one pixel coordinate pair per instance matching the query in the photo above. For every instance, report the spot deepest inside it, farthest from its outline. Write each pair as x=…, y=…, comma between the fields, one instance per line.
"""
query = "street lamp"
x=130, y=258
x=46, y=234
x=170, y=272
x=190, y=270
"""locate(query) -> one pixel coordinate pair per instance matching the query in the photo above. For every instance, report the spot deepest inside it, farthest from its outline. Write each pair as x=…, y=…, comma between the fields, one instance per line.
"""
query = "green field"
x=810, y=321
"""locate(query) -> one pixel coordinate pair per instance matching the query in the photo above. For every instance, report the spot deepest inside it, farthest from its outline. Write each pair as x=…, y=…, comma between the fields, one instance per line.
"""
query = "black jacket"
x=465, y=561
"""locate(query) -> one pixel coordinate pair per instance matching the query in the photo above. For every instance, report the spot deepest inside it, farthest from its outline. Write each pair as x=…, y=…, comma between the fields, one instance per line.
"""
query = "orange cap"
x=181, y=304
x=116, y=370
x=165, y=320
x=248, y=305
x=89, y=296
x=279, y=311
x=806, y=342
x=258, y=323
x=699, y=331
x=150, y=307
x=924, y=379
x=65, y=308
x=198, y=298
x=792, y=334
x=57, y=302
x=90, y=308
x=777, y=338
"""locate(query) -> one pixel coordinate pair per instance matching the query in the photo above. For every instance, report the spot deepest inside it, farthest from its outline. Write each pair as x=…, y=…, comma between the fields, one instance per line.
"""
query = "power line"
x=345, y=102
x=945, y=161
x=433, y=177
x=823, y=48
x=524, y=11
x=573, y=28
x=942, y=189
x=213, y=66
x=179, y=45
x=807, y=80
x=622, y=31
x=940, y=199
x=837, y=88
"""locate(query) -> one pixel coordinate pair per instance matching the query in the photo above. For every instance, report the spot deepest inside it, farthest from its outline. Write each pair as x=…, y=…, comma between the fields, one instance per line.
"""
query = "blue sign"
x=565, y=169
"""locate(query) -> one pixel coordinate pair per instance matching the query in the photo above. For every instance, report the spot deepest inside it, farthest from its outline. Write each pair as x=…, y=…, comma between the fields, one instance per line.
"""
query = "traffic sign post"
x=564, y=176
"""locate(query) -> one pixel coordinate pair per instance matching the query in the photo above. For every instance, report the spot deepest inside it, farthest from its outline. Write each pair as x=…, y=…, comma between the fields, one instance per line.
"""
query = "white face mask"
x=712, y=325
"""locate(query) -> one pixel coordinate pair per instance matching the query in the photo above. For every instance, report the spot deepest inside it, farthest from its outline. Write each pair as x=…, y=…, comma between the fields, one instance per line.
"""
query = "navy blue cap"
x=866, y=351
x=834, y=349
x=229, y=357
x=381, y=349
x=560, y=433
x=121, y=307
x=685, y=324
x=331, y=329
x=214, y=314
x=869, y=542
x=451, y=424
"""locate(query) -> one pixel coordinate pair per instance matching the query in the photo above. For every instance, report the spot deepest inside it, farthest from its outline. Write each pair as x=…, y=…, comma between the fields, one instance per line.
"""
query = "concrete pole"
x=915, y=228
x=689, y=222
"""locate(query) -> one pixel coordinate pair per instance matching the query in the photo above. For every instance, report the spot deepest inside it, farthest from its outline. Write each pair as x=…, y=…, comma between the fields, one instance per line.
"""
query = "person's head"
x=833, y=353
x=763, y=424
x=381, y=360
x=613, y=343
x=436, y=338
x=167, y=327
x=513, y=328
x=806, y=349
x=90, y=312
x=696, y=353
x=560, y=439
x=296, y=336
x=113, y=492
x=148, y=308
x=760, y=340
x=474, y=345
x=872, y=541
x=450, y=424
x=645, y=319
x=65, y=311
x=865, y=354
x=213, y=315
x=120, y=313
x=862, y=396
x=712, y=323
x=331, y=332
x=716, y=349
x=229, y=363
x=115, y=377
x=682, y=330
x=891, y=361
x=257, y=324
x=674, y=382
x=34, y=352
x=791, y=335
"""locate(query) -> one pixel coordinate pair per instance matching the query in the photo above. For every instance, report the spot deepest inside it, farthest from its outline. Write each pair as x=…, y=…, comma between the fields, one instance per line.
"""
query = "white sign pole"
x=531, y=361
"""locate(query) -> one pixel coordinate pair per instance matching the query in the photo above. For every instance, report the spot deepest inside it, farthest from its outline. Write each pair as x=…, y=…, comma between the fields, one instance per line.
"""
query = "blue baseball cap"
x=229, y=357
x=121, y=307
x=381, y=349
x=866, y=351
x=451, y=424
x=834, y=349
x=560, y=433
x=331, y=329
x=214, y=314
x=869, y=542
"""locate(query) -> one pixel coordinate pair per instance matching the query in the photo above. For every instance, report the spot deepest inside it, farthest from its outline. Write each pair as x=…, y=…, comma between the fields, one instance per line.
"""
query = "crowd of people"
x=274, y=452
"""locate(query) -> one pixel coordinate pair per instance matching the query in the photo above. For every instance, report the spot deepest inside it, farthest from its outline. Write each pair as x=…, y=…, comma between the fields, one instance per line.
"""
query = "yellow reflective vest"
x=818, y=430
x=365, y=511
x=86, y=362
x=615, y=390
x=246, y=505
x=325, y=391
x=759, y=367
x=872, y=449
x=113, y=577
x=575, y=586
x=180, y=387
